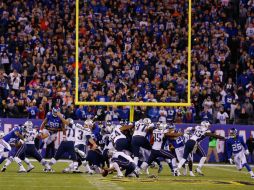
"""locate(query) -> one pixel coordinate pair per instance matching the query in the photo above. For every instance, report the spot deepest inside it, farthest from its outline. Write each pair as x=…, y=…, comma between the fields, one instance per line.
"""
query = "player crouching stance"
x=123, y=161
x=234, y=147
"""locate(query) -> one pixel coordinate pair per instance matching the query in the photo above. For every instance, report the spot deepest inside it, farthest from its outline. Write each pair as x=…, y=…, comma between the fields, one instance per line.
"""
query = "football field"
x=216, y=178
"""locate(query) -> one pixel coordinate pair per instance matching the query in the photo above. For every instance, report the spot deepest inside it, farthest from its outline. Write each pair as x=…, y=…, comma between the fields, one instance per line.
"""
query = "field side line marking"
x=226, y=169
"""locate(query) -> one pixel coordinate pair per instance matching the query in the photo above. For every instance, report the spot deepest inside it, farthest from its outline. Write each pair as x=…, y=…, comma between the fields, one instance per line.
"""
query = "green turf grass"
x=216, y=178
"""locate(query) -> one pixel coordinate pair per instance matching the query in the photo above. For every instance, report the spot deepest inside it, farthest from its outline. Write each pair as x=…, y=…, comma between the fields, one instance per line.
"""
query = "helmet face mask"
x=233, y=132
x=28, y=125
x=54, y=111
x=162, y=126
x=205, y=124
x=71, y=122
x=88, y=123
x=147, y=121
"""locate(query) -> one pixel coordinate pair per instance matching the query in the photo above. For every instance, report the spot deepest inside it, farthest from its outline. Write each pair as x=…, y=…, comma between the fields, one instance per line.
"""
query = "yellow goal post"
x=132, y=104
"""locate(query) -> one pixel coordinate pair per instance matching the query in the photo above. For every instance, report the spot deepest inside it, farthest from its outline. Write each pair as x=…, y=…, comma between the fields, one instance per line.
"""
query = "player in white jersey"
x=82, y=136
x=160, y=135
x=123, y=161
x=4, y=146
x=31, y=151
x=67, y=146
x=200, y=132
x=139, y=137
x=121, y=143
x=108, y=142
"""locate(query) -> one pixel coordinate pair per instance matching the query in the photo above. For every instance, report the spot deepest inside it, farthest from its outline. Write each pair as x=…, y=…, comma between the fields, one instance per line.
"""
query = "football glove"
x=230, y=161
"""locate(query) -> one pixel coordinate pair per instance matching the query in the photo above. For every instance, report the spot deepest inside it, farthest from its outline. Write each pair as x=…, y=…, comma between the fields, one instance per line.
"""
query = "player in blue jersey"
x=4, y=147
x=67, y=145
x=178, y=143
x=52, y=124
x=54, y=121
x=15, y=135
x=237, y=149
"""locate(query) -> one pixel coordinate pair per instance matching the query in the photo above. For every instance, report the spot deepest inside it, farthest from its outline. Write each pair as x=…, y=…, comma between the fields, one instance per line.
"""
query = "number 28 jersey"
x=158, y=138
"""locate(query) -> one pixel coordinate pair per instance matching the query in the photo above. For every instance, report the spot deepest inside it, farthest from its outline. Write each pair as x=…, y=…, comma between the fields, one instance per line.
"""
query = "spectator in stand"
x=128, y=51
x=222, y=116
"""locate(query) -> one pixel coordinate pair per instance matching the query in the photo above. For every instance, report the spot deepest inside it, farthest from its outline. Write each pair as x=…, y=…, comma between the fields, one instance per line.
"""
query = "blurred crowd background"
x=129, y=50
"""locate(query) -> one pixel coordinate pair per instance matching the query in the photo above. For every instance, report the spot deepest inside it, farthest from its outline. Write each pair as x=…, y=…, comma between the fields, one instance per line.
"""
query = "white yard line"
x=102, y=185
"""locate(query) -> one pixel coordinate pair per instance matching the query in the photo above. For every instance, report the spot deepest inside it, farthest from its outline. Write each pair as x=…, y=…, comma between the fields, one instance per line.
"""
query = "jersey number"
x=236, y=147
x=71, y=133
x=157, y=137
x=142, y=127
x=80, y=137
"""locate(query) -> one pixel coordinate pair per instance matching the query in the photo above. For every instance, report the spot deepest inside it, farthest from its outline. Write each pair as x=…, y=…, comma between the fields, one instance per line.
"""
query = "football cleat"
x=147, y=171
x=199, y=172
x=160, y=169
x=252, y=176
x=22, y=170
x=176, y=172
x=192, y=174
x=30, y=168
x=3, y=169
x=118, y=176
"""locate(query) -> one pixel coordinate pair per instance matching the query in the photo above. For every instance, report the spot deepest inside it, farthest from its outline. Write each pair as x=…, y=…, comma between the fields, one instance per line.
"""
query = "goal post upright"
x=133, y=104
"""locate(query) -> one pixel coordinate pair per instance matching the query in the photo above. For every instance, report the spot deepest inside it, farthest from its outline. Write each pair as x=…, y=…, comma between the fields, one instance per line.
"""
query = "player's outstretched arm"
x=94, y=145
x=215, y=136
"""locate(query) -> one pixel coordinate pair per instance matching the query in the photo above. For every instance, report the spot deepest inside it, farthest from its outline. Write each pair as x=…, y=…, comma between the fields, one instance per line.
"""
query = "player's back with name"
x=82, y=134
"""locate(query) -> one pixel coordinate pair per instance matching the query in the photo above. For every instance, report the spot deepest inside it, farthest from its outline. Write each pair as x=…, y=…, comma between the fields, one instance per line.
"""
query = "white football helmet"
x=205, y=124
x=28, y=125
x=147, y=121
x=88, y=123
x=162, y=126
x=71, y=122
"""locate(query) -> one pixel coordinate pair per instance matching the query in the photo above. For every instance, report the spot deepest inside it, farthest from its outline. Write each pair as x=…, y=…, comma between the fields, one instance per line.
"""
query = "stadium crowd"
x=130, y=50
